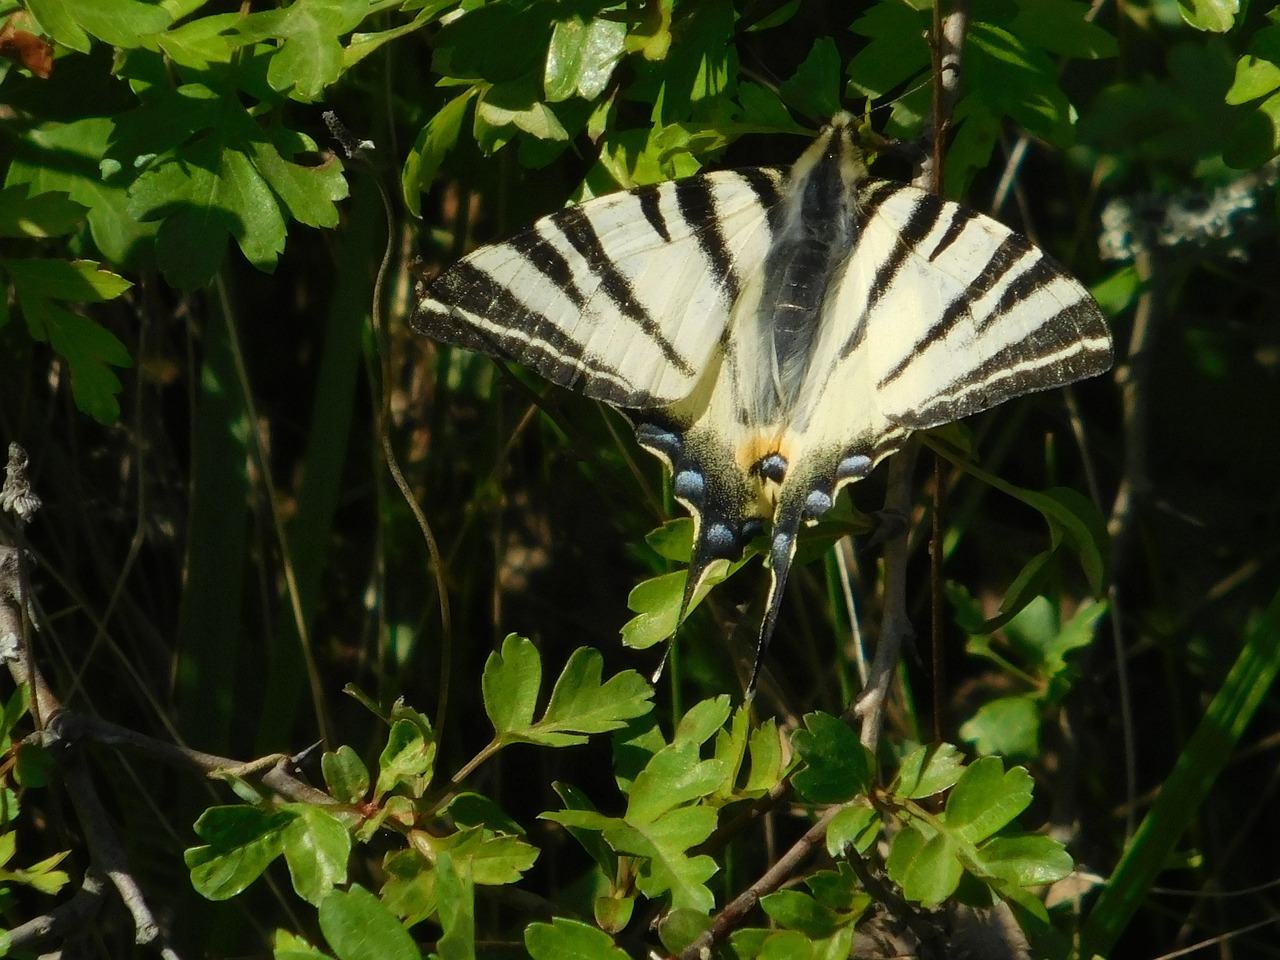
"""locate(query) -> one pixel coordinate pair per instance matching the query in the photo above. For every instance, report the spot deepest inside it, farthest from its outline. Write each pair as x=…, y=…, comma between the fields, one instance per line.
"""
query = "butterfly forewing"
x=624, y=297
x=972, y=314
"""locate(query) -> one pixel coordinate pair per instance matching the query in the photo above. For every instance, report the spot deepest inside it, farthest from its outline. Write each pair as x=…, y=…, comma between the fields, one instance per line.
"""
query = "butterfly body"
x=774, y=335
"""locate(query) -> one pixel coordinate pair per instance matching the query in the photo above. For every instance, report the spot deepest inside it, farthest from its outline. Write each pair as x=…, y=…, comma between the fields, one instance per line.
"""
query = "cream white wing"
x=624, y=297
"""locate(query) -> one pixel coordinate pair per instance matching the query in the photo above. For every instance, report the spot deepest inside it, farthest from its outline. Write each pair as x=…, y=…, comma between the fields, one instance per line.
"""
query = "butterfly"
x=774, y=334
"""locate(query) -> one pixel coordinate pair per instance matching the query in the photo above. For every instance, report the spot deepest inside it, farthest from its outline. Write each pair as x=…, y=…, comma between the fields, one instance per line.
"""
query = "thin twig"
x=735, y=911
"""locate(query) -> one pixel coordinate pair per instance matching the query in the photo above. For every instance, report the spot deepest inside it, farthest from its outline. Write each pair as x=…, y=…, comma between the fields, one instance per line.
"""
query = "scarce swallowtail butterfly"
x=773, y=335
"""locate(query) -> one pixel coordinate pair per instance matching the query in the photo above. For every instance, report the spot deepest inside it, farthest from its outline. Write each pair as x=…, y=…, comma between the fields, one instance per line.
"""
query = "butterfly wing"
x=624, y=297
x=963, y=313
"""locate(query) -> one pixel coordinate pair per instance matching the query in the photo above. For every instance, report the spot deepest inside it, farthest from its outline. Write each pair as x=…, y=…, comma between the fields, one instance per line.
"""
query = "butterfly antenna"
x=782, y=550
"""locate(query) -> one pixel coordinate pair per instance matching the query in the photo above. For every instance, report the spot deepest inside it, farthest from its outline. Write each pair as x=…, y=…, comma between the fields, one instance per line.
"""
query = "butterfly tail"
x=782, y=550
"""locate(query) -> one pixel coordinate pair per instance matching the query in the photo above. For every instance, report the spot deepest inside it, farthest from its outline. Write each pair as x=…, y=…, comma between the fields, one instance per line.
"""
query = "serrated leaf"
x=927, y=770
x=288, y=946
x=666, y=866
x=455, y=895
x=308, y=56
x=765, y=753
x=796, y=910
x=580, y=704
x=37, y=215
x=345, y=775
x=434, y=142
x=118, y=23
x=409, y=890
x=703, y=720
x=897, y=50
x=358, y=926
x=408, y=758
x=1061, y=27
x=316, y=848
x=855, y=826
x=476, y=810
x=837, y=767
x=1211, y=16
x=1026, y=861
x=511, y=681
x=675, y=775
x=986, y=798
x=1008, y=726
x=563, y=939
x=241, y=842
x=934, y=872
x=581, y=57
x=492, y=859
x=814, y=89
x=586, y=835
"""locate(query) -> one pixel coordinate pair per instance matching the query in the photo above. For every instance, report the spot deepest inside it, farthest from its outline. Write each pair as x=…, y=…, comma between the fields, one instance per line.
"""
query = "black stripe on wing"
x=521, y=334
x=1075, y=347
x=576, y=226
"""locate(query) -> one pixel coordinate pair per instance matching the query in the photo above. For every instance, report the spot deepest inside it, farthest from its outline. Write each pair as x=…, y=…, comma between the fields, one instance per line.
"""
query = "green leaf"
x=1258, y=72
x=435, y=140
x=933, y=871
x=408, y=758
x=836, y=767
x=409, y=890
x=511, y=681
x=765, y=752
x=1060, y=27
x=358, y=926
x=1257, y=138
x=580, y=704
x=673, y=777
x=345, y=775
x=41, y=215
x=814, y=89
x=288, y=946
x=316, y=847
x=563, y=939
x=590, y=839
x=241, y=842
x=1008, y=726
x=309, y=58
x=613, y=913
x=897, y=50
x=678, y=928
x=1211, y=16
x=928, y=770
x=32, y=765
x=582, y=57
x=493, y=860
x=514, y=105
x=117, y=23
x=796, y=910
x=1017, y=80
x=667, y=867
x=986, y=798
x=457, y=909
x=857, y=826
x=1025, y=861
x=703, y=720
x=476, y=810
